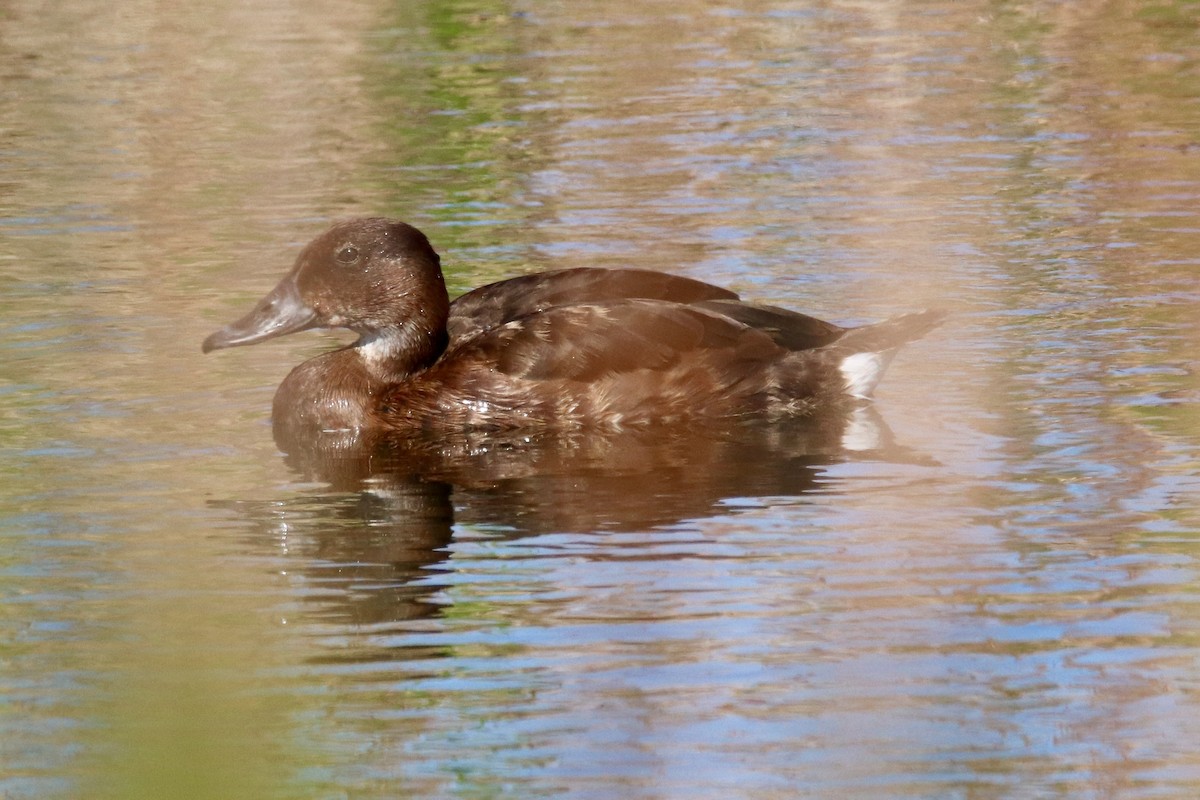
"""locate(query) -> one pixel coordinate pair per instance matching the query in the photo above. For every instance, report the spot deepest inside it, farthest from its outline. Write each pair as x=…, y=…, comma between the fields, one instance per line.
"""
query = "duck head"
x=377, y=277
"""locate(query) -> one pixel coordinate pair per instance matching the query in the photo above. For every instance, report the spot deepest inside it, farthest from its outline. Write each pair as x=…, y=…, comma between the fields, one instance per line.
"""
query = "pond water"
x=985, y=585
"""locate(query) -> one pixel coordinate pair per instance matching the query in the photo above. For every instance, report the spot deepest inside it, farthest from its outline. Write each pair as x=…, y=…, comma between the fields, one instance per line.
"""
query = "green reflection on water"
x=444, y=87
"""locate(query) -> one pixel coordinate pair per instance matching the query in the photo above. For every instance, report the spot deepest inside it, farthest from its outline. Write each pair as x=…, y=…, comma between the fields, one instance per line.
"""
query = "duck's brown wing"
x=499, y=303
x=789, y=329
x=587, y=341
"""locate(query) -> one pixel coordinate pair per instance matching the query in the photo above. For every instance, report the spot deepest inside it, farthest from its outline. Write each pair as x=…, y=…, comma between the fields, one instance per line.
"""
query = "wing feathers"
x=586, y=342
x=789, y=329
x=499, y=303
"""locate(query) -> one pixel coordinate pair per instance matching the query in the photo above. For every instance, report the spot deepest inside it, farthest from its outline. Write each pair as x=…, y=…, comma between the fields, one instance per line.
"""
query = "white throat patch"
x=378, y=350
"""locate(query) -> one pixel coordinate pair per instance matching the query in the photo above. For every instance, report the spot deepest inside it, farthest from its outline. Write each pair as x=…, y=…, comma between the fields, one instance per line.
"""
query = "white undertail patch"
x=862, y=372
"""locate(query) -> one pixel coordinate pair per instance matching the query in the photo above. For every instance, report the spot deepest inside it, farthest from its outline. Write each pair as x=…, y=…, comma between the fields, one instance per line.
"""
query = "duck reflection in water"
x=571, y=401
x=371, y=543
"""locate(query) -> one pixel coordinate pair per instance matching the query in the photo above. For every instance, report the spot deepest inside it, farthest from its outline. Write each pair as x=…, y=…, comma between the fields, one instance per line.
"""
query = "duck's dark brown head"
x=377, y=277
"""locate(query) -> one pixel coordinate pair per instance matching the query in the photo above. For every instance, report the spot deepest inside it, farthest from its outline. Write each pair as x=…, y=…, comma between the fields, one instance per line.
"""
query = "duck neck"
x=393, y=354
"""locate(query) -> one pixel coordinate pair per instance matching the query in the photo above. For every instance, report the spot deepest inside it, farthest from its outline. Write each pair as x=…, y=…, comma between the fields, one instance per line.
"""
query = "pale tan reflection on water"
x=1031, y=167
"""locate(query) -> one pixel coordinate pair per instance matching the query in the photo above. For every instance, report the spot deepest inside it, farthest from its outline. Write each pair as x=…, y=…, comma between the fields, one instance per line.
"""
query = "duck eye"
x=348, y=254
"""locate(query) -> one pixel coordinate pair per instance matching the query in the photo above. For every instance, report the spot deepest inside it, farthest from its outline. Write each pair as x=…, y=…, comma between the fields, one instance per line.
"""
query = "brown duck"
x=568, y=348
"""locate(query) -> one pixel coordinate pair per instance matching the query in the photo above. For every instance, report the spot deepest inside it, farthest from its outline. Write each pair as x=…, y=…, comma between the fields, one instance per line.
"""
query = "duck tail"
x=867, y=351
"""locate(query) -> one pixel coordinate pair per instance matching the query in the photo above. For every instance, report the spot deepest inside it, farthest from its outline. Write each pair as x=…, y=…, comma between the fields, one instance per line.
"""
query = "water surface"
x=984, y=586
